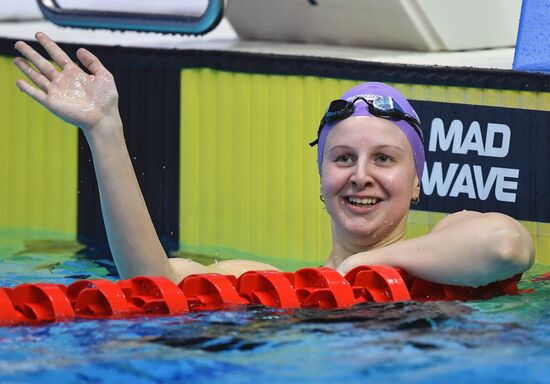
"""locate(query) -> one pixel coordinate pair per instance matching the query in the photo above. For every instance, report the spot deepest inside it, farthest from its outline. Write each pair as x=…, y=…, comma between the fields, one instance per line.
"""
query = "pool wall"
x=219, y=143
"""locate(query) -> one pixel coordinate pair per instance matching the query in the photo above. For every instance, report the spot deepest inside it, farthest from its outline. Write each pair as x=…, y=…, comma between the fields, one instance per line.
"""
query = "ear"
x=416, y=188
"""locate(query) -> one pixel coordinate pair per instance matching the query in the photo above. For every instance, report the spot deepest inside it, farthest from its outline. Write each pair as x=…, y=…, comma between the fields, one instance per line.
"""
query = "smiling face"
x=368, y=179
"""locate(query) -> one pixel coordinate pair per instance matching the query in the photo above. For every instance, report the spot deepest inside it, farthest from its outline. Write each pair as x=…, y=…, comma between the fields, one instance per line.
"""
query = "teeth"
x=357, y=201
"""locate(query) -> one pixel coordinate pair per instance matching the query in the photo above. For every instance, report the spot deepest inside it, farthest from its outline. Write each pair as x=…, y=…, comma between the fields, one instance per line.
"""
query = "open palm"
x=72, y=94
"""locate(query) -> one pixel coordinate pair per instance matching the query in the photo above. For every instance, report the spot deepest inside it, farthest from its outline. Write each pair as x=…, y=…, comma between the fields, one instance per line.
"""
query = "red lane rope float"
x=98, y=299
x=322, y=288
x=42, y=302
x=422, y=290
x=269, y=288
x=380, y=284
x=154, y=295
x=8, y=314
x=211, y=292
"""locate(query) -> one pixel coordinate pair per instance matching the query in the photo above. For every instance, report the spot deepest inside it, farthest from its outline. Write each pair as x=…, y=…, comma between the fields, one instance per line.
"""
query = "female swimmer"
x=370, y=157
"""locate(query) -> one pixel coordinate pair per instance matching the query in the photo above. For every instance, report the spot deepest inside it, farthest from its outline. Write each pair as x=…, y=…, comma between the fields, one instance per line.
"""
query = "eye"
x=344, y=159
x=383, y=158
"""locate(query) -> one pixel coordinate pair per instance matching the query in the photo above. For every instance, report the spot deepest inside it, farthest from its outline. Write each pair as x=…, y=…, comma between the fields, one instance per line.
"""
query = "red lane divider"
x=211, y=291
x=154, y=295
x=422, y=290
x=322, y=288
x=8, y=314
x=378, y=283
x=269, y=288
x=98, y=299
x=42, y=302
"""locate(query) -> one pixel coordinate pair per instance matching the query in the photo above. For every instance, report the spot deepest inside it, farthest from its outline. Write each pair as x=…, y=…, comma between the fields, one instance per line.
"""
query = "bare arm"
x=90, y=101
x=466, y=248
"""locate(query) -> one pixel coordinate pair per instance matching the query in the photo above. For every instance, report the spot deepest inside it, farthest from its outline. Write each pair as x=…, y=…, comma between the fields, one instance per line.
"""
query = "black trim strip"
x=149, y=106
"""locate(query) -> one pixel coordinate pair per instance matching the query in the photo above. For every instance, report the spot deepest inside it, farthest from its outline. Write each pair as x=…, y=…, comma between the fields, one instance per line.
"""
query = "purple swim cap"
x=361, y=109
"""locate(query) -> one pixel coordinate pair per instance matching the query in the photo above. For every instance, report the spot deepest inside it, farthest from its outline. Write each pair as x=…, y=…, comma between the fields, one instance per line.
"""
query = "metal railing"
x=135, y=21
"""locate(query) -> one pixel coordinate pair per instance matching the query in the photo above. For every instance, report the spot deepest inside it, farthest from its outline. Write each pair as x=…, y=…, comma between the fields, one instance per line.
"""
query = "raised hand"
x=69, y=92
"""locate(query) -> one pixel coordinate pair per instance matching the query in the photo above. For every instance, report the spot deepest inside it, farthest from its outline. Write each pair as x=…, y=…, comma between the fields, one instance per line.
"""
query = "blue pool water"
x=503, y=340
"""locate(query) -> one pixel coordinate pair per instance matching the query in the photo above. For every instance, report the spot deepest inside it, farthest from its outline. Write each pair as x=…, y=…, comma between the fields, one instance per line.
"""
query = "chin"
x=360, y=235
x=367, y=236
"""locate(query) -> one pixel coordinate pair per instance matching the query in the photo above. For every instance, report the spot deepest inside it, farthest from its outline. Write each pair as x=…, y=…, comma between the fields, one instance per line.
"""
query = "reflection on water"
x=262, y=325
x=50, y=246
x=37, y=256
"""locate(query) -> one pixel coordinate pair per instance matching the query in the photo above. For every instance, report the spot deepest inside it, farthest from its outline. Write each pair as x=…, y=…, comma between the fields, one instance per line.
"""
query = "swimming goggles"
x=379, y=106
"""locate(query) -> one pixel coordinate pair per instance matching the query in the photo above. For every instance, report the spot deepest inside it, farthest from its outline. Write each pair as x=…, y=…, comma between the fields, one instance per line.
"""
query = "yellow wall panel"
x=38, y=162
x=249, y=184
x=539, y=101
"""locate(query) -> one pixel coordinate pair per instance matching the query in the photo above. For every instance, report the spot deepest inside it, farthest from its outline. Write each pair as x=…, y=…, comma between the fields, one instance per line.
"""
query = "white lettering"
x=436, y=180
x=476, y=185
x=503, y=184
x=464, y=183
x=484, y=189
x=437, y=135
x=473, y=140
x=490, y=149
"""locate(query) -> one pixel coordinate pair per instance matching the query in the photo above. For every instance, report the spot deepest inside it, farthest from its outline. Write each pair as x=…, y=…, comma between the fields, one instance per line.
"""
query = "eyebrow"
x=390, y=146
x=378, y=147
x=339, y=147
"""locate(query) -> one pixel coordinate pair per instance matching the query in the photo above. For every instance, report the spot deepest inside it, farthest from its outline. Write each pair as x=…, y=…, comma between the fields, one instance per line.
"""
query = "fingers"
x=37, y=78
x=90, y=61
x=43, y=65
x=56, y=53
x=34, y=57
x=35, y=93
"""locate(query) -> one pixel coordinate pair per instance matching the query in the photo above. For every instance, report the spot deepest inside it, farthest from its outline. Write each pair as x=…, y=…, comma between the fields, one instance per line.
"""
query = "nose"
x=361, y=176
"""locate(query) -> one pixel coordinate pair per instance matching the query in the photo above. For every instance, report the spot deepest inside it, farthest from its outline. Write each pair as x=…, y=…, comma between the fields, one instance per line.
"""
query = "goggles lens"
x=384, y=103
x=379, y=106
